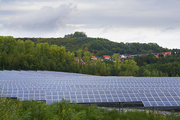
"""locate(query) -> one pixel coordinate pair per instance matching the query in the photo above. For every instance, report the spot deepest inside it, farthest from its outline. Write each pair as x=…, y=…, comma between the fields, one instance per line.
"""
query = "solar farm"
x=136, y=92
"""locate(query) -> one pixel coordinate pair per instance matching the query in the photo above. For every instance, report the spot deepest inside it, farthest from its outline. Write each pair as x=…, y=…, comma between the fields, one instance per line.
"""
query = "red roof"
x=168, y=53
x=164, y=54
x=157, y=56
x=106, y=56
x=93, y=57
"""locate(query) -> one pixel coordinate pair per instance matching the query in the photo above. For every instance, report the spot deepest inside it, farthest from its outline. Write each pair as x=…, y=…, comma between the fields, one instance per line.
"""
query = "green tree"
x=79, y=54
x=117, y=64
x=130, y=67
x=20, y=46
x=9, y=44
x=143, y=72
x=80, y=34
x=87, y=56
x=76, y=34
x=2, y=44
x=29, y=47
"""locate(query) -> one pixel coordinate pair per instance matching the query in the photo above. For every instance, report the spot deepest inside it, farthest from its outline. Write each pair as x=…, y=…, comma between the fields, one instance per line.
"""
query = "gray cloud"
x=47, y=19
x=132, y=14
x=118, y=20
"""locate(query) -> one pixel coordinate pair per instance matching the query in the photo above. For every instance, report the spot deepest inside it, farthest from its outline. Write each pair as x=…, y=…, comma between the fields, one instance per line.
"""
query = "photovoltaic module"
x=54, y=86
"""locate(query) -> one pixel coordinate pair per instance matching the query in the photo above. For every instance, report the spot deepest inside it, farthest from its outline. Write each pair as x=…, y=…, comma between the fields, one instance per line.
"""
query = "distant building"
x=106, y=57
x=157, y=56
x=163, y=53
x=124, y=56
x=93, y=58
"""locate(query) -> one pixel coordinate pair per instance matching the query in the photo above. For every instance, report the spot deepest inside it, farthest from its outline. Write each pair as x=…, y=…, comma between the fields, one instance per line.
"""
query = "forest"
x=99, y=46
x=46, y=54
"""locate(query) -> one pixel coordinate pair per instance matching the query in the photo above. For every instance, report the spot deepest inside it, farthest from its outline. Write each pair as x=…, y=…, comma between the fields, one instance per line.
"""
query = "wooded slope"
x=99, y=46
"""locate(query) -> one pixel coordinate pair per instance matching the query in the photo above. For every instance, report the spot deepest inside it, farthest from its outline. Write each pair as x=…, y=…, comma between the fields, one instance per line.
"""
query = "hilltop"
x=99, y=46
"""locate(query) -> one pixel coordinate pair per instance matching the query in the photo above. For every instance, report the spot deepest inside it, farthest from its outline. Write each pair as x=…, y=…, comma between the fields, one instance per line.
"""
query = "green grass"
x=64, y=110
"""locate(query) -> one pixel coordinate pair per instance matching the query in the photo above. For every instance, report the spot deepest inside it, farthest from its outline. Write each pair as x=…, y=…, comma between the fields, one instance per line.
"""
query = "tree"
x=79, y=54
x=20, y=46
x=87, y=56
x=29, y=47
x=104, y=69
x=80, y=34
x=117, y=64
x=76, y=34
x=130, y=67
x=1, y=44
x=10, y=42
x=143, y=72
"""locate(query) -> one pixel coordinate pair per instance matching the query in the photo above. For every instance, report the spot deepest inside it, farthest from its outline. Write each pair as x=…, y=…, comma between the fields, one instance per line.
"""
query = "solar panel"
x=81, y=88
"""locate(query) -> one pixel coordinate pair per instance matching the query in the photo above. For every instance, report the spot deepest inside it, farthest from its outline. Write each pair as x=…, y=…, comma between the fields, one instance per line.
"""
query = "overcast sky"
x=141, y=21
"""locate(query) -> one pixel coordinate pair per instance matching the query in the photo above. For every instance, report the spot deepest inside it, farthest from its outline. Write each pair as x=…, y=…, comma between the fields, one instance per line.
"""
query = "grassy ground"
x=64, y=110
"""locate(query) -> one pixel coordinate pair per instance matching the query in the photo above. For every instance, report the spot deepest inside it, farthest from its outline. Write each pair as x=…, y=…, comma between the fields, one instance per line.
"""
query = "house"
x=166, y=53
x=157, y=56
x=163, y=53
x=124, y=56
x=93, y=58
x=106, y=57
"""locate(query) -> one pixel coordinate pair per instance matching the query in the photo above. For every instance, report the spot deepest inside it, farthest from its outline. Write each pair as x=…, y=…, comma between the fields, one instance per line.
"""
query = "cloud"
x=131, y=13
x=47, y=19
x=118, y=20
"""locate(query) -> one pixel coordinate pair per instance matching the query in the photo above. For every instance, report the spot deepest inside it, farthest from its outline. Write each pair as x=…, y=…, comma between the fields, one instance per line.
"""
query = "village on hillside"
x=121, y=57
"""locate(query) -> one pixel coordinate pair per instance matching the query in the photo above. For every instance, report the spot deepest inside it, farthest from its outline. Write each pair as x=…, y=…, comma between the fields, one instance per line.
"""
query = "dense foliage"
x=20, y=55
x=149, y=65
x=98, y=46
x=64, y=110
x=75, y=35
x=29, y=55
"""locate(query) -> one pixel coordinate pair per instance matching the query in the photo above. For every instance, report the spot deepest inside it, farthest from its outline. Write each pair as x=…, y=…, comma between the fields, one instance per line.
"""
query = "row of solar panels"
x=89, y=84
x=101, y=91
x=84, y=87
x=53, y=86
x=147, y=101
x=96, y=91
x=41, y=73
x=143, y=97
x=75, y=84
x=59, y=74
x=98, y=79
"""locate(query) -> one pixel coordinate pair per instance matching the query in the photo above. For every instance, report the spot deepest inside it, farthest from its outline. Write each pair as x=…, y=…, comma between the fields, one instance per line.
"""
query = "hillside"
x=99, y=46
x=28, y=55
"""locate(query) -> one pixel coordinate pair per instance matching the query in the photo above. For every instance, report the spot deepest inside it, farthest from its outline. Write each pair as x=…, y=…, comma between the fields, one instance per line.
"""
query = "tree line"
x=26, y=55
x=99, y=46
x=153, y=66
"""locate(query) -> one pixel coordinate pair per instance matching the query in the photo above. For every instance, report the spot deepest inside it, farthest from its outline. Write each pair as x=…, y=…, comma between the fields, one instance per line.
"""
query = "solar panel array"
x=80, y=88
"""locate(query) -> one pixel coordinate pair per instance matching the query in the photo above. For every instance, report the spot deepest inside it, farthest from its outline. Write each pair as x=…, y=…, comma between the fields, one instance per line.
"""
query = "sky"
x=143, y=21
